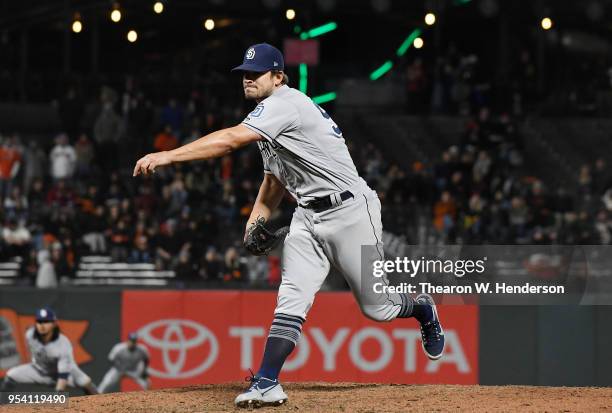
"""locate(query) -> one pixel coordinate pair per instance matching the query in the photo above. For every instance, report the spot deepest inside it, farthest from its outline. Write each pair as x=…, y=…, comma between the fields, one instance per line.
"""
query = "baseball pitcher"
x=52, y=359
x=304, y=152
x=128, y=359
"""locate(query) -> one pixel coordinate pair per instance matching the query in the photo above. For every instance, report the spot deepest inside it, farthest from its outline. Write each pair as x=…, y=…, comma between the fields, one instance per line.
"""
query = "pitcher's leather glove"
x=260, y=241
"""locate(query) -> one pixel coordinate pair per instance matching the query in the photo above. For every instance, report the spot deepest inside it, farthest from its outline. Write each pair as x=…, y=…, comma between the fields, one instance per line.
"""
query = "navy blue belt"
x=327, y=202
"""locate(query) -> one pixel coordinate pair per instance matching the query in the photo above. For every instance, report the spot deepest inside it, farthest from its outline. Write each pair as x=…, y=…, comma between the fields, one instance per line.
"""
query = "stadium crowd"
x=77, y=197
x=478, y=191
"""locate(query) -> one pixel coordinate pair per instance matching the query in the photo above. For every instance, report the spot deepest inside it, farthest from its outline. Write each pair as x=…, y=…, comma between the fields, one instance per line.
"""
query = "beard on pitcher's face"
x=258, y=85
x=252, y=91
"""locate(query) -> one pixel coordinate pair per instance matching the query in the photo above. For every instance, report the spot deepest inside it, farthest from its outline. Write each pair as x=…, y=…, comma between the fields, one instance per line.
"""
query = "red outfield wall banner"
x=198, y=337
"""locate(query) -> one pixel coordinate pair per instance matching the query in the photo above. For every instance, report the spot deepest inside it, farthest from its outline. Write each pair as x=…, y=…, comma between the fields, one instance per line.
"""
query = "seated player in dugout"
x=52, y=362
x=303, y=152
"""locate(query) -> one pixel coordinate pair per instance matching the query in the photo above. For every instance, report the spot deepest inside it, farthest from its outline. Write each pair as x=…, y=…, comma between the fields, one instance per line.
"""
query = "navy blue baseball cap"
x=45, y=314
x=261, y=58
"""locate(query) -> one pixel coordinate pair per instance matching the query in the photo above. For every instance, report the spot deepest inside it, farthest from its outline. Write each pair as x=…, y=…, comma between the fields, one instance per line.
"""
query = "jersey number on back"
x=335, y=127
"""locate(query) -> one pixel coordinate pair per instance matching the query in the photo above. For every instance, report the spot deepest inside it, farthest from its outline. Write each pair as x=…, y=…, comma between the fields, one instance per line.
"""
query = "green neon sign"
x=408, y=42
x=303, y=77
x=318, y=31
x=328, y=97
x=381, y=70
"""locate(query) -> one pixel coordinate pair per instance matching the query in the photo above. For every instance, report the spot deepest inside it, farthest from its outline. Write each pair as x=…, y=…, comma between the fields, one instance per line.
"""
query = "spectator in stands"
x=115, y=190
x=68, y=249
x=419, y=184
x=185, y=267
x=90, y=199
x=16, y=204
x=443, y=170
x=16, y=239
x=210, y=266
x=226, y=209
x=257, y=270
x=168, y=245
x=145, y=199
x=172, y=115
x=91, y=216
x=210, y=228
x=538, y=203
x=84, y=157
x=60, y=222
x=107, y=132
x=37, y=231
x=445, y=211
x=60, y=262
x=227, y=167
x=92, y=226
x=61, y=195
x=473, y=219
x=245, y=197
x=199, y=179
x=62, y=158
x=374, y=165
x=165, y=140
x=233, y=269
x=118, y=240
x=482, y=167
x=10, y=162
x=518, y=217
x=35, y=161
x=37, y=200
x=29, y=269
x=45, y=276
x=186, y=226
x=193, y=111
x=125, y=209
x=176, y=195
x=140, y=252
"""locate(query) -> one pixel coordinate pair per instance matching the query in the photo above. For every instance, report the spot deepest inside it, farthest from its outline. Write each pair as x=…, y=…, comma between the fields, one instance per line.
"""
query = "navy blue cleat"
x=431, y=331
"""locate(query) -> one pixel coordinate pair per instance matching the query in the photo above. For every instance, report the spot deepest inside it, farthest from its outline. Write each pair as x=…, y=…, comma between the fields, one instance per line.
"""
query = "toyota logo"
x=173, y=338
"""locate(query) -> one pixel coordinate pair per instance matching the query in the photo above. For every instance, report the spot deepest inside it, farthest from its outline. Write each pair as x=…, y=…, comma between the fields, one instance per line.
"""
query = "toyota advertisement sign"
x=197, y=337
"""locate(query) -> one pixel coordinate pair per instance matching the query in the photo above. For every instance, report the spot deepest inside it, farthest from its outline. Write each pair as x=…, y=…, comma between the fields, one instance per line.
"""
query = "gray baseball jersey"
x=304, y=148
x=125, y=359
x=52, y=358
x=49, y=361
x=306, y=152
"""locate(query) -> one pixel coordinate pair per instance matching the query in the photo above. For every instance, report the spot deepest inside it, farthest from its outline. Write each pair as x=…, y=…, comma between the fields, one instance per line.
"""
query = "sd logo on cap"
x=261, y=58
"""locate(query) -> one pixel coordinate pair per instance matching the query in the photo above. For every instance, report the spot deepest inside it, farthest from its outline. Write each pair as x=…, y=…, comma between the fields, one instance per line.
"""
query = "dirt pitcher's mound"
x=347, y=397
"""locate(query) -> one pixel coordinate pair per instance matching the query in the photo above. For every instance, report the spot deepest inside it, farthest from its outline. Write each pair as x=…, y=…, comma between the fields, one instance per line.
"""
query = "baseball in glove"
x=260, y=241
